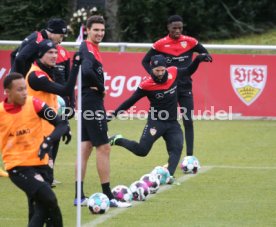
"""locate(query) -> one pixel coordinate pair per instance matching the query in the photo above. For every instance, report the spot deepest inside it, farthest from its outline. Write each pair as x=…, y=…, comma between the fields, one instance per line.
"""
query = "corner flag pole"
x=79, y=112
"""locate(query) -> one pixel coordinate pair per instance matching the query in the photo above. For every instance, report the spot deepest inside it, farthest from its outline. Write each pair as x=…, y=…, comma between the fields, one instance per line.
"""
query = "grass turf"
x=238, y=191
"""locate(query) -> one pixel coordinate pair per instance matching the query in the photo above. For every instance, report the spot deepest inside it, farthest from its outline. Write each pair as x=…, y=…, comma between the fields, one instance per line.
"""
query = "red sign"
x=235, y=84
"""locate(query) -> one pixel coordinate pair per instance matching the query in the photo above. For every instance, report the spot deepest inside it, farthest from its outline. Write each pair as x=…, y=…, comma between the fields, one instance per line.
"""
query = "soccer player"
x=41, y=84
x=62, y=74
x=23, y=57
x=161, y=90
x=178, y=50
x=25, y=149
x=94, y=129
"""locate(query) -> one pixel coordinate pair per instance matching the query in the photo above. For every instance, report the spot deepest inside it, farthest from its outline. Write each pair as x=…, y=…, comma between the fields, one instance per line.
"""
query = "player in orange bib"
x=25, y=150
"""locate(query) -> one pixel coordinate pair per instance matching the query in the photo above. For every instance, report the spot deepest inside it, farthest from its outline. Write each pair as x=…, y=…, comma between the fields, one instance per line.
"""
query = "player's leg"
x=46, y=205
x=152, y=131
x=186, y=103
x=174, y=143
x=86, y=149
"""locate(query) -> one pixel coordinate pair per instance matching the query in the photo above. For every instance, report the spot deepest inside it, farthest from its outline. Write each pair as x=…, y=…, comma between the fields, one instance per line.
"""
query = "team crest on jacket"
x=248, y=81
x=62, y=53
x=153, y=131
x=183, y=44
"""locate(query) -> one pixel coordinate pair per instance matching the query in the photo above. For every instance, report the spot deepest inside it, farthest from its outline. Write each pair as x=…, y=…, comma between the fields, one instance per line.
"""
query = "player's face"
x=96, y=33
x=49, y=58
x=17, y=94
x=159, y=72
x=56, y=38
x=175, y=29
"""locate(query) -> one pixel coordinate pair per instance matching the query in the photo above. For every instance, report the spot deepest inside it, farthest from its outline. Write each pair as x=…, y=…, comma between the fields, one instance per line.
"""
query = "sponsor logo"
x=248, y=81
x=153, y=131
x=159, y=95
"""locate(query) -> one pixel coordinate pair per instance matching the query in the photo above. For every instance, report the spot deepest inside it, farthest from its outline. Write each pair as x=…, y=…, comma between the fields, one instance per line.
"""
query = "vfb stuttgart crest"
x=248, y=81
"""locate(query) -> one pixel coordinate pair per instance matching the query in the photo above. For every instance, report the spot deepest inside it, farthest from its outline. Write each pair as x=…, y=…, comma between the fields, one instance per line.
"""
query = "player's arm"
x=199, y=48
x=62, y=127
x=48, y=114
x=87, y=69
x=137, y=95
x=146, y=59
x=188, y=71
x=23, y=56
x=42, y=83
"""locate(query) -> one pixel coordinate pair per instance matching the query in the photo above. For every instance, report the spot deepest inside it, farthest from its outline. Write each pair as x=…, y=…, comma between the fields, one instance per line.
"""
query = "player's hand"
x=77, y=59
x=67, y=136
x=45, y=147
x=205, y=57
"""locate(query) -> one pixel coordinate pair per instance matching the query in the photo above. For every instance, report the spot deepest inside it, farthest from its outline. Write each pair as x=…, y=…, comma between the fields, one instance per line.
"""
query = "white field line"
x=243, y=167
x=206, y=166
x=114, y=212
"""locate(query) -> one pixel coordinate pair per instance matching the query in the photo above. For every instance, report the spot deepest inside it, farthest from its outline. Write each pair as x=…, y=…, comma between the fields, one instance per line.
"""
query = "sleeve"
x=42, y=83
x=146, y=59
x=38, y=104
x=199, y=48
x=23, y=56
x=87, y=68
x=188, y=71
x=61, y=126
x=137, y=95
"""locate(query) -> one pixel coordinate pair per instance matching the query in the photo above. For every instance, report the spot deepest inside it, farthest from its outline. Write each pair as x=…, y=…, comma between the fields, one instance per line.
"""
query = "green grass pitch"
x=237, y=190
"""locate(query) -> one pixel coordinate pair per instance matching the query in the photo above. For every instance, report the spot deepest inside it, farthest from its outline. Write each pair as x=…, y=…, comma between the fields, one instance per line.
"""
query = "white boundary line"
x=115, y=212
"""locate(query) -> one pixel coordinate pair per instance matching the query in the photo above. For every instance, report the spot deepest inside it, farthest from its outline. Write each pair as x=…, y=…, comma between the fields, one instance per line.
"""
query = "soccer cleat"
x=119, y=204
x=112, y=139
x=3, y=173
x=83, y=201
x=171, y=180
x=55, y=182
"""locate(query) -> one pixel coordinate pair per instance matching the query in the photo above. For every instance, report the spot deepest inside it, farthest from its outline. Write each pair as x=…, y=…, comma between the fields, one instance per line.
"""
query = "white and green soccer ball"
x=190, y=164
x=61, y=105
x=98, y=203
x=162, y=174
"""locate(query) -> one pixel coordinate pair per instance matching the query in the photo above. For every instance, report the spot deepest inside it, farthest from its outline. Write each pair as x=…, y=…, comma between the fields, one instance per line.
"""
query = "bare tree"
x=112, y=24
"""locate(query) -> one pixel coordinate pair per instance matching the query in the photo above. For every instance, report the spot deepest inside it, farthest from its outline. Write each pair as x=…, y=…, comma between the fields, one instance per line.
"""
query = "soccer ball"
x=122, y=193
x=190, y=164
x=162, y=174
x=140, y=190
x=61, y=105
x=98, y=203
x=152, y=181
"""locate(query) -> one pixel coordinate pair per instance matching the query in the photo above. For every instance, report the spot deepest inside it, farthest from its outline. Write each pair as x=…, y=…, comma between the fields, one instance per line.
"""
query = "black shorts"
x=94, y=125
x=30, y=178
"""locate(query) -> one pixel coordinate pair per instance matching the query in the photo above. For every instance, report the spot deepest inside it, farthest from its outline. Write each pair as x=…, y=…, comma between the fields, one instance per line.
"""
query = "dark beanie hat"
x=44, y=46
x=157, y=60
x=57, y=26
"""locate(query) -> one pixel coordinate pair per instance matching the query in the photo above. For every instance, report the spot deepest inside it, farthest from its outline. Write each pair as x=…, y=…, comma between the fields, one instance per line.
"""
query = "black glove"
x=67, y=135
x=45, y=147
x=204, y=57
x=77, y=59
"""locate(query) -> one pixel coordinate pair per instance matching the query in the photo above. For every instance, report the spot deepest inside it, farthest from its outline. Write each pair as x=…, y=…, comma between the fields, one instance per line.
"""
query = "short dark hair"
x=95, y=19
x=174, y=18
x=10, y=78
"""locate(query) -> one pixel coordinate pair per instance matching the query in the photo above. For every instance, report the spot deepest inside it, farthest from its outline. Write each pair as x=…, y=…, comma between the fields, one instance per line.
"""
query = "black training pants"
x=154, y=129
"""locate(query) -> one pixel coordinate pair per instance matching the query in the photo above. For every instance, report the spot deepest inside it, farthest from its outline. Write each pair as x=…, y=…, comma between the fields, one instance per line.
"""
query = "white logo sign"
x=248, y=81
